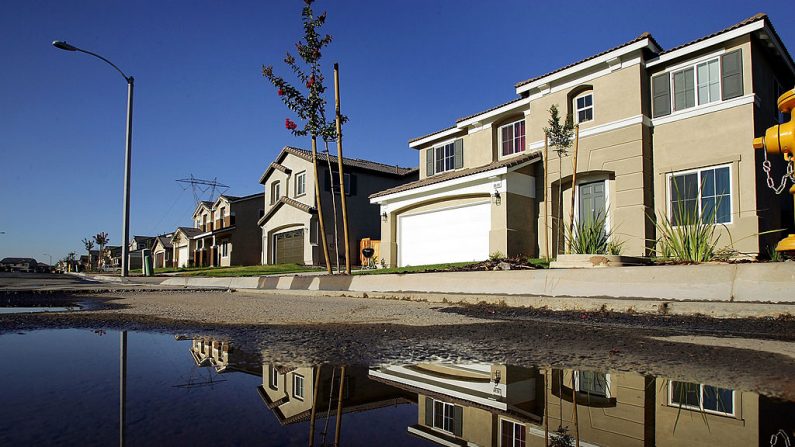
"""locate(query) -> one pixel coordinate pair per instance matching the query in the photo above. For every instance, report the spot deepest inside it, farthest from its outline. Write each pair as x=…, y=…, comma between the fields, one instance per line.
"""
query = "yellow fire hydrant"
x=780, y=139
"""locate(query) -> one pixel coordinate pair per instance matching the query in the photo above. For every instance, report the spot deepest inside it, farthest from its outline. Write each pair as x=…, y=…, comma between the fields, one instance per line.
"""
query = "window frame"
x=514, y=139
x=447, y=416
x=335, y=181
x=445, y=157
x=273, y=381
x=302, y=177
x=608, y=384
x=225, y=249
x=296, y=378
x=275, y=191
x=577, y=109
x=694, y=65
x=700, y=407
x=514, y=441
x=698, y=172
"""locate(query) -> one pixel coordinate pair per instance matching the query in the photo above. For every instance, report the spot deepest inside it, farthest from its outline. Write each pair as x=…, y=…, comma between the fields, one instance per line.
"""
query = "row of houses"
x=493, y=404
x=659, y=130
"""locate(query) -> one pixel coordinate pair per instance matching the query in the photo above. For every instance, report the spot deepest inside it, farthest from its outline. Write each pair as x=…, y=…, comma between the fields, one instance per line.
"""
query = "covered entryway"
x=448, y=235
x=288, y=247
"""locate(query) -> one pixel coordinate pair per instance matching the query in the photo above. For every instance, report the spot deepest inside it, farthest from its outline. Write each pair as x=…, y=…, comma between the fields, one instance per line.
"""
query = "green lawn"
x=415, y=268
x=251, y=270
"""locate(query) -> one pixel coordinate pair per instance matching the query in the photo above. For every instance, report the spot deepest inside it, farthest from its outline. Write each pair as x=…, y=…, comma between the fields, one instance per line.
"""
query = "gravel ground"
x=753, y=355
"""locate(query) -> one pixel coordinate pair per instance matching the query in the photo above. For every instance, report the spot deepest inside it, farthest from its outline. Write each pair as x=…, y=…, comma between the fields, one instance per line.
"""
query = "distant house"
x=113, y=256
x=289, y=223
x=228, y=233
x=183, y=245
x=137, y=245
x=162, y=251
x=18, y=264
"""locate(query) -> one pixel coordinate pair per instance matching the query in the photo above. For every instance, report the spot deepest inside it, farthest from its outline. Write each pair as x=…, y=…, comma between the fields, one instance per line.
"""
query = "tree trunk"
x=546, y=197
x=573, y=185
x=339, y=162
x=319, y=205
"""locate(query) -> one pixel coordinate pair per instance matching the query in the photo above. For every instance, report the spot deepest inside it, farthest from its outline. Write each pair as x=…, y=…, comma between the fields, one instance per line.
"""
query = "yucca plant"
x=685, y=236
x=591, y=236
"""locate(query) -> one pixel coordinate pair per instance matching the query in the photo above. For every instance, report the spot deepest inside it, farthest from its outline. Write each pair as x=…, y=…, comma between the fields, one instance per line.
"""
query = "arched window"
x=581, y=104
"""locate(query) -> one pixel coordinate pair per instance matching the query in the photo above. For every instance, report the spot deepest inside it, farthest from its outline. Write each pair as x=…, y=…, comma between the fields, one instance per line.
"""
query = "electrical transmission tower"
x=203, y=187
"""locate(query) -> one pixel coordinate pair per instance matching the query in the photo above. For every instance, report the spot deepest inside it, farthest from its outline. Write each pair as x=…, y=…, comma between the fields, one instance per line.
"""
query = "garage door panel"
x=289, y=247
x=449, y=235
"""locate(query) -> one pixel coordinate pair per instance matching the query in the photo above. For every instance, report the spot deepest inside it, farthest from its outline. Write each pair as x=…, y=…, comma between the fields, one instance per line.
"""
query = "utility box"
x=148, y=268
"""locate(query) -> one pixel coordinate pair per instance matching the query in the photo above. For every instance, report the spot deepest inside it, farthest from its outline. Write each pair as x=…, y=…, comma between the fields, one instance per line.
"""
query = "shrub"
x=687, y=237
x=591, y=236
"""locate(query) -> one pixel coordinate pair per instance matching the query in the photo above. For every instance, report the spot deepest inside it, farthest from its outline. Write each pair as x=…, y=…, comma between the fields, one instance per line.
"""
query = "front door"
x=592, y=201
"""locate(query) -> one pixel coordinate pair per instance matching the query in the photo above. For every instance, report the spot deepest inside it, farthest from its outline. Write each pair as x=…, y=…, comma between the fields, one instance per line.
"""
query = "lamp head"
x=60, y=44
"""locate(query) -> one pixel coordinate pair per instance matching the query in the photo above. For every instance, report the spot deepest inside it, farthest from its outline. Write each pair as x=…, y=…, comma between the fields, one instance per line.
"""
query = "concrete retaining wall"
x=769, y=282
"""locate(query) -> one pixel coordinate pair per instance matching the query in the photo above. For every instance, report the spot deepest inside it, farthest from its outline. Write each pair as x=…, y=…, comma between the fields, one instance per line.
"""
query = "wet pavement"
x=504, y=377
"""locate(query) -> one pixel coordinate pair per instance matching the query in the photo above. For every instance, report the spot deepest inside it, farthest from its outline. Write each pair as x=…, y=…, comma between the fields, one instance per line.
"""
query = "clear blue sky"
x=202, y=107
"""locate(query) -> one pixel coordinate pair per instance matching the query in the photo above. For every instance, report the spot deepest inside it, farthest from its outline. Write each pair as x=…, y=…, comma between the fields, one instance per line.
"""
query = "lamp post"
x=47, y=254
x=125, y=249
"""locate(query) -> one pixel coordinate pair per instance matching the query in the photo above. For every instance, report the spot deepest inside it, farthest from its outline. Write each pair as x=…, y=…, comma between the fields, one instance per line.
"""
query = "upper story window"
x=706, y=398
x=512, y=137
x=222, y=215
x=444, y=416
x=298, y=386
x=274, y=378
x=275, y=192
x=703, y=194
x=583, y=107
x=335, y=179
x=702, y=82
x=445, y=157
x=592, y=383
x=300, y=184
x=512, y=434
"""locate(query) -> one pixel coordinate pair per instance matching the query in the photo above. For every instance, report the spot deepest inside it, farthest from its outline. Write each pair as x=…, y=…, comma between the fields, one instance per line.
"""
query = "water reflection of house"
x=289, y=391
x=220, y=355
x=498, y=405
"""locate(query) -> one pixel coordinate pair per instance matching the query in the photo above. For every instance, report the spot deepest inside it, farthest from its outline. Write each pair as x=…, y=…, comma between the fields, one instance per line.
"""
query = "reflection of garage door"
x=450, y=235
x=289, y=247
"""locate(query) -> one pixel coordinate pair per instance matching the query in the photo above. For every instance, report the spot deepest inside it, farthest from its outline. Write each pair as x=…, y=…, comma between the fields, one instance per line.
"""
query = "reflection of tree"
x=561, y=438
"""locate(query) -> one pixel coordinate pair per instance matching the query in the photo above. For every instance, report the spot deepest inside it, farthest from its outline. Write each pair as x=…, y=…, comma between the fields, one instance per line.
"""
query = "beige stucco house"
x=289, y=226
x=163, y=251
x=183, y=246
x=502, y=405
x=659, y=129
x=228, y=232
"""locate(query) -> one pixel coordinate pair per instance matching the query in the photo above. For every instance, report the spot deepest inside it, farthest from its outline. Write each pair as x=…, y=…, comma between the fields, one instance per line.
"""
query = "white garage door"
x=449, y=235
x=184, y=256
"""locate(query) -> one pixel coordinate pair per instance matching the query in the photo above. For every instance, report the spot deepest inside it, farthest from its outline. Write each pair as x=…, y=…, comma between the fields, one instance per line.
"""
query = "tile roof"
x=752, y=19
x=510, y=162
x=350, y=162
x=490, y=109
x=432, y=133
x=637, y=39
x=189, y=231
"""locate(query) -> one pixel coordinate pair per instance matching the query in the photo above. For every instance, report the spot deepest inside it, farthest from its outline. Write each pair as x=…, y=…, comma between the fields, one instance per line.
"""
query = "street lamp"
x=128, y=152
x=47, y=254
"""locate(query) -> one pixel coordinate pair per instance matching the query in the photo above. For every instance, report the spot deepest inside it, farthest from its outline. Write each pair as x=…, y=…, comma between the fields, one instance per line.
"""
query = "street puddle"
x=96, y=387
x=24, y=310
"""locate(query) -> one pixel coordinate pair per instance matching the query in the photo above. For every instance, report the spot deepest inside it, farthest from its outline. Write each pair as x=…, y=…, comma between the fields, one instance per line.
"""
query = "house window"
x=298, y=386
x=707, y=398
x=300, y=184
x=583, y=106
x=512, y=137
x=445, y=157
x=696, y=84
x=443, y=416
x=592, y=383
x=700, y=194
x=225, y=249
x=223, y=215
x=274, y=378
x=275, y=193
x=512, y=434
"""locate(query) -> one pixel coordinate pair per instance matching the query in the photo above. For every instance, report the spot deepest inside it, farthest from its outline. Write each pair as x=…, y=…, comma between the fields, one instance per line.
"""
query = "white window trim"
x=295, y=193
x=274, y=378
x=499, y=434
x=442, y=145
x=700, y=400
x=608, y=384
x=592, y=107
x=694, y=64
x=433, y=416
x=274, y=185
x=303, y=387
x=698, y=171
x=523, y=150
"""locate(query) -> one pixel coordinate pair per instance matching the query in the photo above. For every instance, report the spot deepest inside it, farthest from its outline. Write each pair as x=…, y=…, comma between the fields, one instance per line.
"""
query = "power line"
x=201, y=187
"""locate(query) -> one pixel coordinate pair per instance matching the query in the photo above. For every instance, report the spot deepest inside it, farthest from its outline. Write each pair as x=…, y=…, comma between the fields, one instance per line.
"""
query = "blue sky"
x=203, y=108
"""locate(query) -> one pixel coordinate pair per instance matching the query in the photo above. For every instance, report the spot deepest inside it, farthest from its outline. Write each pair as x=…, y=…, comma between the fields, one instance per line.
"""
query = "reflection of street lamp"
x=126, y=213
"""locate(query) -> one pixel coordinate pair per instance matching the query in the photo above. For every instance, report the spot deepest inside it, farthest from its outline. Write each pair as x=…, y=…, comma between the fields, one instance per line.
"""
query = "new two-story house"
x=289, y=224
x=659, y=130
x=228, y=232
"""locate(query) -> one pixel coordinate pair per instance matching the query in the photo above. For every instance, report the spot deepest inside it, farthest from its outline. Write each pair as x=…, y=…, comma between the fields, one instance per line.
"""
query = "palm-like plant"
x=101, y=239
x=591, y=236
x=89, y=246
